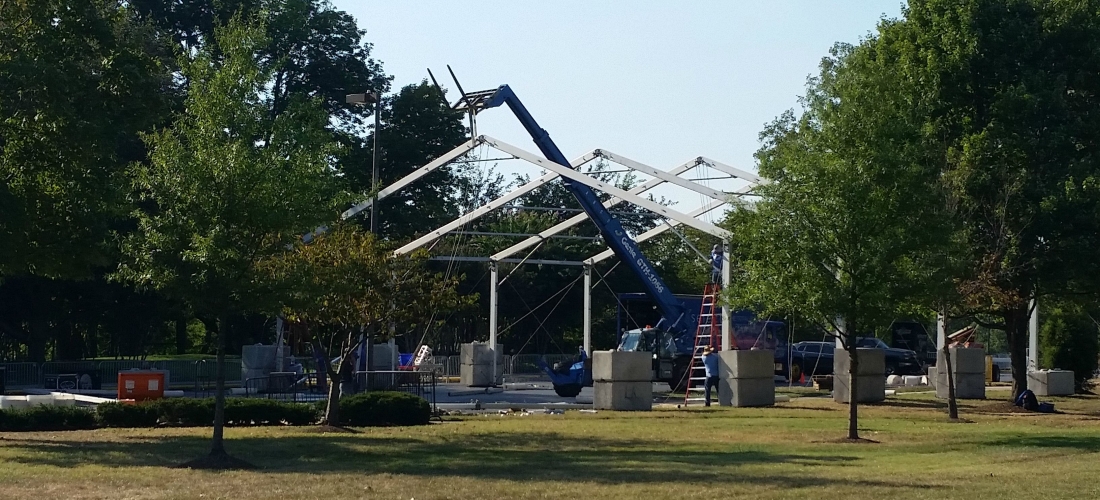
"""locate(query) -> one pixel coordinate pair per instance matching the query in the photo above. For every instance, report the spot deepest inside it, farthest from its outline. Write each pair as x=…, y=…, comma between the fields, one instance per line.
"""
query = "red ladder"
x=707, y=333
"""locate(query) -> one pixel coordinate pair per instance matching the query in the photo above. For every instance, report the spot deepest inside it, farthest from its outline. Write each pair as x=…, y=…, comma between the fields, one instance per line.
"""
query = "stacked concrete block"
x=968, y=370
x=870, y=377
x=476, y=368
x=746, y=378
x=622, y=381
x=1051, y=382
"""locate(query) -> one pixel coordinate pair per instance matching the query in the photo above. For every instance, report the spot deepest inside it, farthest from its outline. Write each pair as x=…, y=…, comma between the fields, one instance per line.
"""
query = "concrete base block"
x=964, y=360
x=619, y=366
x=746, y=364
x=871, y=362
x=479, y=375
x=746, y=392
x=967, y=386
x=870, y=377
x=870, y=388
x=623, y=396
x=1051, y=382
x=478, y=353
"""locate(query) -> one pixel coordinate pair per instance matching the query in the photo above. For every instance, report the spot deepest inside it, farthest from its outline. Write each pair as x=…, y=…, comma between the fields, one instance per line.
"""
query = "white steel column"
x=493, y=282
x=1033, y=337
x=941, y=331
x=588, y=310
x=727, y=340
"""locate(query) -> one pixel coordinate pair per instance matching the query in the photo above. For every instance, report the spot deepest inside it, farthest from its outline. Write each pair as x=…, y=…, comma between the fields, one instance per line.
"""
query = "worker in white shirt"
x=710, y=363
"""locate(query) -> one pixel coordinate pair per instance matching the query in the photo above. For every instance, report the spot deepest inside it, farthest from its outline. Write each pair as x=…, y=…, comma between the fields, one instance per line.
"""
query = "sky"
x=657, y=82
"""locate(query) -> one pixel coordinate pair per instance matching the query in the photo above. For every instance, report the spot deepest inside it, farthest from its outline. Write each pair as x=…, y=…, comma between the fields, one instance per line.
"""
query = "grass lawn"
x=790, y=451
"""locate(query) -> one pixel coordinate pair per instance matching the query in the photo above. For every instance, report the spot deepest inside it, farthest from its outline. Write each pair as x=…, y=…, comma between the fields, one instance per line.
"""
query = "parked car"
x=898, y=361
x=811, y=358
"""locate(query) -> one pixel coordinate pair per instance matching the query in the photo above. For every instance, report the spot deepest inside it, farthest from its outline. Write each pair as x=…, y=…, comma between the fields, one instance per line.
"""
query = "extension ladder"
x=707, y=333
x=422, y=355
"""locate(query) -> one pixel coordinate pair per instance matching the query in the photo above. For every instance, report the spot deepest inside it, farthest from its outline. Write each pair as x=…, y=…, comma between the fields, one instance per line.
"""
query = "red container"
x=140, y=385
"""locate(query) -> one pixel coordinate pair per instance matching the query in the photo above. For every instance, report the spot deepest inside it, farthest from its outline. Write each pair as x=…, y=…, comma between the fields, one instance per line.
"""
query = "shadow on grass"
x=1083, y=443
x=909, y=403
x=530, y=456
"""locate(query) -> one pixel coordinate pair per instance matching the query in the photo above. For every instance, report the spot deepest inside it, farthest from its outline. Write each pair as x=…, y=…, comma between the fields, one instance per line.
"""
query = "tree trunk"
x=369, y=362
x=332, y=406
x=853, y=393
x=1016, y=329
x=952, y=405
x=217, y=445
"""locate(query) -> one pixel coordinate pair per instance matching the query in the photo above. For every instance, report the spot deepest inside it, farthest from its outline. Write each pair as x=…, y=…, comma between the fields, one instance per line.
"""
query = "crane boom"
x=675, y=318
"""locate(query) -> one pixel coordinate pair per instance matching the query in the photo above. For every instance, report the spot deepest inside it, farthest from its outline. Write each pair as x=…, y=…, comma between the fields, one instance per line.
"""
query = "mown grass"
x=790, y=451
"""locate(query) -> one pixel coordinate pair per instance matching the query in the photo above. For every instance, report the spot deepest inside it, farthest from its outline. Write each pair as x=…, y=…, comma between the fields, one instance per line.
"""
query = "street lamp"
x=363, y=100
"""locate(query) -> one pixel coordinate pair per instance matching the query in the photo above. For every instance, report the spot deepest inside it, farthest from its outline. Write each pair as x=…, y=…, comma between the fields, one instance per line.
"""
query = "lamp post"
x=363, y=100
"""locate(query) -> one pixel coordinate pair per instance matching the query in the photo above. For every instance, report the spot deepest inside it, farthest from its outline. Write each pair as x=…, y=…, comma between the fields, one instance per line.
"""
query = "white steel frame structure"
x=715, y=199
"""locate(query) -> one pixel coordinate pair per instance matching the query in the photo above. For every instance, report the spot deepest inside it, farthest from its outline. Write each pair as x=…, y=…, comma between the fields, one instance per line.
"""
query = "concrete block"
x=964, y=360
x=967, y=386
x=748, y=364
x=1051, y=382
x=619, y=366
x=746, y=392
x=870, y=388
x=479, y=375
x=479, y=353
x=623, y=396
x=383, y=360
x=871, y=362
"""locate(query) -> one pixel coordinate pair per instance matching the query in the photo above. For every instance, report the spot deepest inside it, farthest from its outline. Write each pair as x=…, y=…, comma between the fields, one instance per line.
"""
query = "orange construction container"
x=140, y=385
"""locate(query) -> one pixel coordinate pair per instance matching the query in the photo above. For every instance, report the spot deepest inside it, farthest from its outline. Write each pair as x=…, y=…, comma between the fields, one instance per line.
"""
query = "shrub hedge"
x=47, y=418
x=384, y=408
x=369, y=409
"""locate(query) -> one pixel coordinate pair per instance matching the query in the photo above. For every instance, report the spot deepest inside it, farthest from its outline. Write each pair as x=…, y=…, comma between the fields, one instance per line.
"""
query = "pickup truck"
x=816, y=358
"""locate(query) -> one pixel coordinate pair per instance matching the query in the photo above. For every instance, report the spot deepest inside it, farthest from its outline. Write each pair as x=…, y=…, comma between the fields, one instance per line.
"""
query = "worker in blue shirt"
x=716, y=264
x=710, y=363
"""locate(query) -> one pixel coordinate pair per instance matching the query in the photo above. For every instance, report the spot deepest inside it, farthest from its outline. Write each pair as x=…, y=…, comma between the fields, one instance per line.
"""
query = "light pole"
x=363, y=100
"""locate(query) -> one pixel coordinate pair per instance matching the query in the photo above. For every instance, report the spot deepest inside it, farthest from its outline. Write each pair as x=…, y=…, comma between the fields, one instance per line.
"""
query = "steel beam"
x=734, y=171
x=577, y=219
x=432, y=166
x=576, y=176
x=661, y=174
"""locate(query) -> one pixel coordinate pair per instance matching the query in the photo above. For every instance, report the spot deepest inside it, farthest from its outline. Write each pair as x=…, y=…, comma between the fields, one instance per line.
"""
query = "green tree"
x=346, y=281
x=839, y=234
x=1070, y=340
x=1001, y=97
x=226, y=188
x=80, y=82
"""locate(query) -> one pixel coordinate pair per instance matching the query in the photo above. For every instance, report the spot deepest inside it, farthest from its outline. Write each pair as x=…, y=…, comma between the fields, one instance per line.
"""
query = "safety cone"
x=802, y=378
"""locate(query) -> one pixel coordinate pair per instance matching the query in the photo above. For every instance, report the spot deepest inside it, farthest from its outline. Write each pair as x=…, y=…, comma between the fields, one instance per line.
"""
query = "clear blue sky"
x=659, y=82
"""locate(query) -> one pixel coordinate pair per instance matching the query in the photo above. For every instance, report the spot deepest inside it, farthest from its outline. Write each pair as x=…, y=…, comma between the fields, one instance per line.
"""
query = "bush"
x=384, y=408
x=47, y=418
x=267, y=412
x=184, y=411
x=127, y=415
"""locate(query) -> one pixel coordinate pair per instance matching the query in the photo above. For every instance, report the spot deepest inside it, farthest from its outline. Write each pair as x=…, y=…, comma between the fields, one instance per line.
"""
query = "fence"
x=199, y=375
x=520, y=364
x=181, y=373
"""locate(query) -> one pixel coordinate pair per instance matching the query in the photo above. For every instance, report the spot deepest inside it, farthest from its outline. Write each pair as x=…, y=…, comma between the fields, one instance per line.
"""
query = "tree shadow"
x=910, y=403
x=531, y=456
x=1083, y=443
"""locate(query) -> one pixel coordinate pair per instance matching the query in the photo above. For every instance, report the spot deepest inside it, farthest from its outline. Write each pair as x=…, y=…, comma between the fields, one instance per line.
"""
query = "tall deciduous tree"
x=228, y=187
x=1002, y=99
x=347, y=280
x=80, y=82
x=840, y=231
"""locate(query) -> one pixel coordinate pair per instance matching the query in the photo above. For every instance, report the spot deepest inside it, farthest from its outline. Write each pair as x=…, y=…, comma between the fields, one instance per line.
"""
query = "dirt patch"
x=845, y=440
x=325, y=429
x=217, y=462
x=1003, y=407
